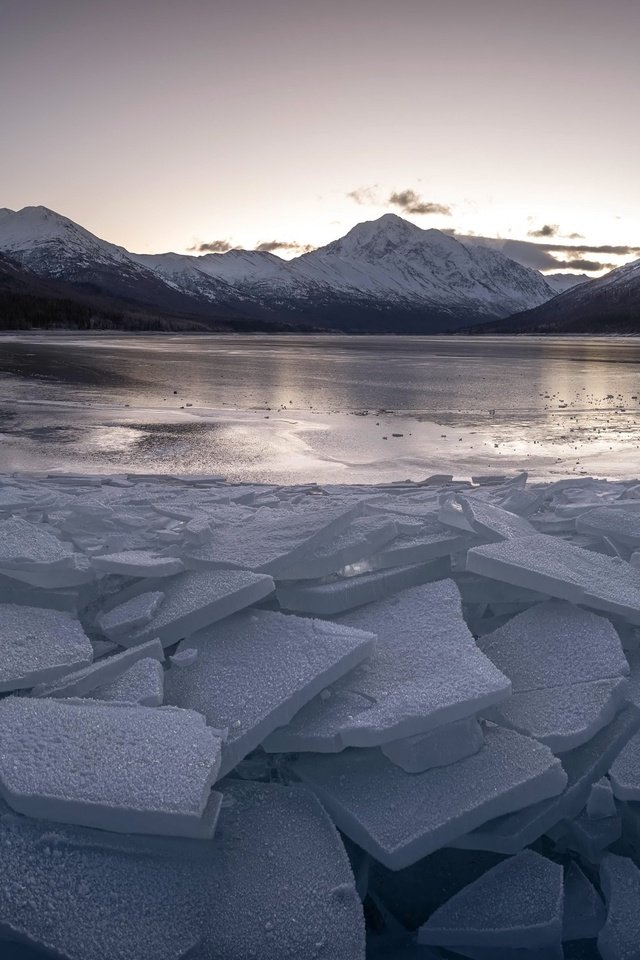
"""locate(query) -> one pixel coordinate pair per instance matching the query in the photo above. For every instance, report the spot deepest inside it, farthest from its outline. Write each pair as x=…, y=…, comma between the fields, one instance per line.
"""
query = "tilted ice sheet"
x=517, y=902
x=625, y=771
x=83, y=681
x=431, y=540
x=137, y=563
x=621, y=525
x=493, y=523
x=363, y=537
x=273, y=539
x=254, y=671
x=437, y=748
x=38, y=645
x=562, y=570
x=619, y=938
x=330, y=599
x=117, y=767
x=130, y=616
x=601, y=803
x=426, y=671
x=562, y=717
x=584, y=765
x=142, y=683
x=555, y=643
x=30, y=552
x=195, y=599
x=400, y=817
x=584, y=912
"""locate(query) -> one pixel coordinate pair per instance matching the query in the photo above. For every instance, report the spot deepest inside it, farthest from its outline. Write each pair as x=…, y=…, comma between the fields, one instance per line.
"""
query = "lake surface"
x=320, y=408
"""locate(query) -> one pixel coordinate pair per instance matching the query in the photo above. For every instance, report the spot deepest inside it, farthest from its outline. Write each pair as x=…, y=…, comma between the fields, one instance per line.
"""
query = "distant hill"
x=384, y=276
x=608, y=305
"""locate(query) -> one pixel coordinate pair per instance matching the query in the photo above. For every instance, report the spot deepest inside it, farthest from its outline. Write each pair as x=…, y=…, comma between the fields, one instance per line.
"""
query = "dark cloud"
x=410, y=202
x=270, y=246
x=546, y=230
x=621, y=251
x=578, y=263
x=213, y=246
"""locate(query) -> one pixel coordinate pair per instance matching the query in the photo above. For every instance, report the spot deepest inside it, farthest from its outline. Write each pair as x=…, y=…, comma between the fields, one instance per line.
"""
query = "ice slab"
x=113, y=766
x=520, y=901
x=426, y=671
x=31, y=553
x=138, y=563
x=63, y=892
x=83, y=681
x=562, y=717
x=555, y=643
x=130, y=616
x=279, y=885
x=38, y=645
x=601, y=802
x=590, y=838
x=432, y=539
x=272, y=539
x=438, y=748
x=399, y=817
x=621, y=525
x=254, y=671
x=619, y=938
x=494, y=523
x=195, y=599
x=584, y=765
x=584, y=912
x=562, y=570
x=329, y=599
x=363, y=537
x=142, y=683
x=625, y=771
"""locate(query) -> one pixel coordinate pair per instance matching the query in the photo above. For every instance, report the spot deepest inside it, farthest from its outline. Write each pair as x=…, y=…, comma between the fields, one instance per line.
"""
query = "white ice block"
x=584, y=912
x=584, y=765
x=625, y=771
x=562, y=570
x=623, y=526
x=431, y=540
x=517, y=902
x=131, y=615
x=399, y=817
x=555, y=643
x=137, y=563
x=426, y=671
x=619, y=938
x=330, y=599
x=254, y=671
x=38, y=645
x=31, y=553
x=195, y=599
x=83, y=681
x=438, y=748
x=142, y=683
x=563, y=717
x=125, y=768
x=363, y=537
x=590, y=838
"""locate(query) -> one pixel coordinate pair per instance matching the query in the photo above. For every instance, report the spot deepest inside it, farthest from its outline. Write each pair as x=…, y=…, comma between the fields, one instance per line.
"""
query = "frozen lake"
x=325, y=408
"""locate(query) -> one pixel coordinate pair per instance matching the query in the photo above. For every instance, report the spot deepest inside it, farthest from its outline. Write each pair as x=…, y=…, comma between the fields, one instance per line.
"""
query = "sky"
x=204, y=124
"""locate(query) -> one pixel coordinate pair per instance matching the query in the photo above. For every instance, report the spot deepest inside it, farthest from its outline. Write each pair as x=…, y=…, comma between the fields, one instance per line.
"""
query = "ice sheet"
x=254, y=671
x=38, y=645
x=130, y=616
x=83, y=681
x=364, y=792
x=117, y=767
x=138, y=563
x=363, y=537
x=438, y=748
x=584, y=912
x=426, y=671
x=520, y=901
x=142, y=683
x=619, y=938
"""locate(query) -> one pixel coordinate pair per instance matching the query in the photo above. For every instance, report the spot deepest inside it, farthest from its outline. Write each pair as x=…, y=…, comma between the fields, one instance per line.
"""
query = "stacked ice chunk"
x=316, y=722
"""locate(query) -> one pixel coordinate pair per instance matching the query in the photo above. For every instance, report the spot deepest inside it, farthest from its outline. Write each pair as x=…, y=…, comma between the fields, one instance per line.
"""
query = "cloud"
x=213, y=246
x=270, y=246
x=578, y=263
x=546, y=230
x=364, y=196
x=410, y=202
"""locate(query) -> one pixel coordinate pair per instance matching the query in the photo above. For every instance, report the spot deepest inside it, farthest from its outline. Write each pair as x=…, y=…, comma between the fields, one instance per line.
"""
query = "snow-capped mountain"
x=561, y=282
x=385, y=275
x=610, y=304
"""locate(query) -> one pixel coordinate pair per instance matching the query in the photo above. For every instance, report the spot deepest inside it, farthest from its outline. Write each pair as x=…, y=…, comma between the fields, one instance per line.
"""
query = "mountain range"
x=383, y=276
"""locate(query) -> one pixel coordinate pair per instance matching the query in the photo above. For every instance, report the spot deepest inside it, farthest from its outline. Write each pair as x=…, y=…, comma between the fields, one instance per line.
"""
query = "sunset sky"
x=204, y=123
